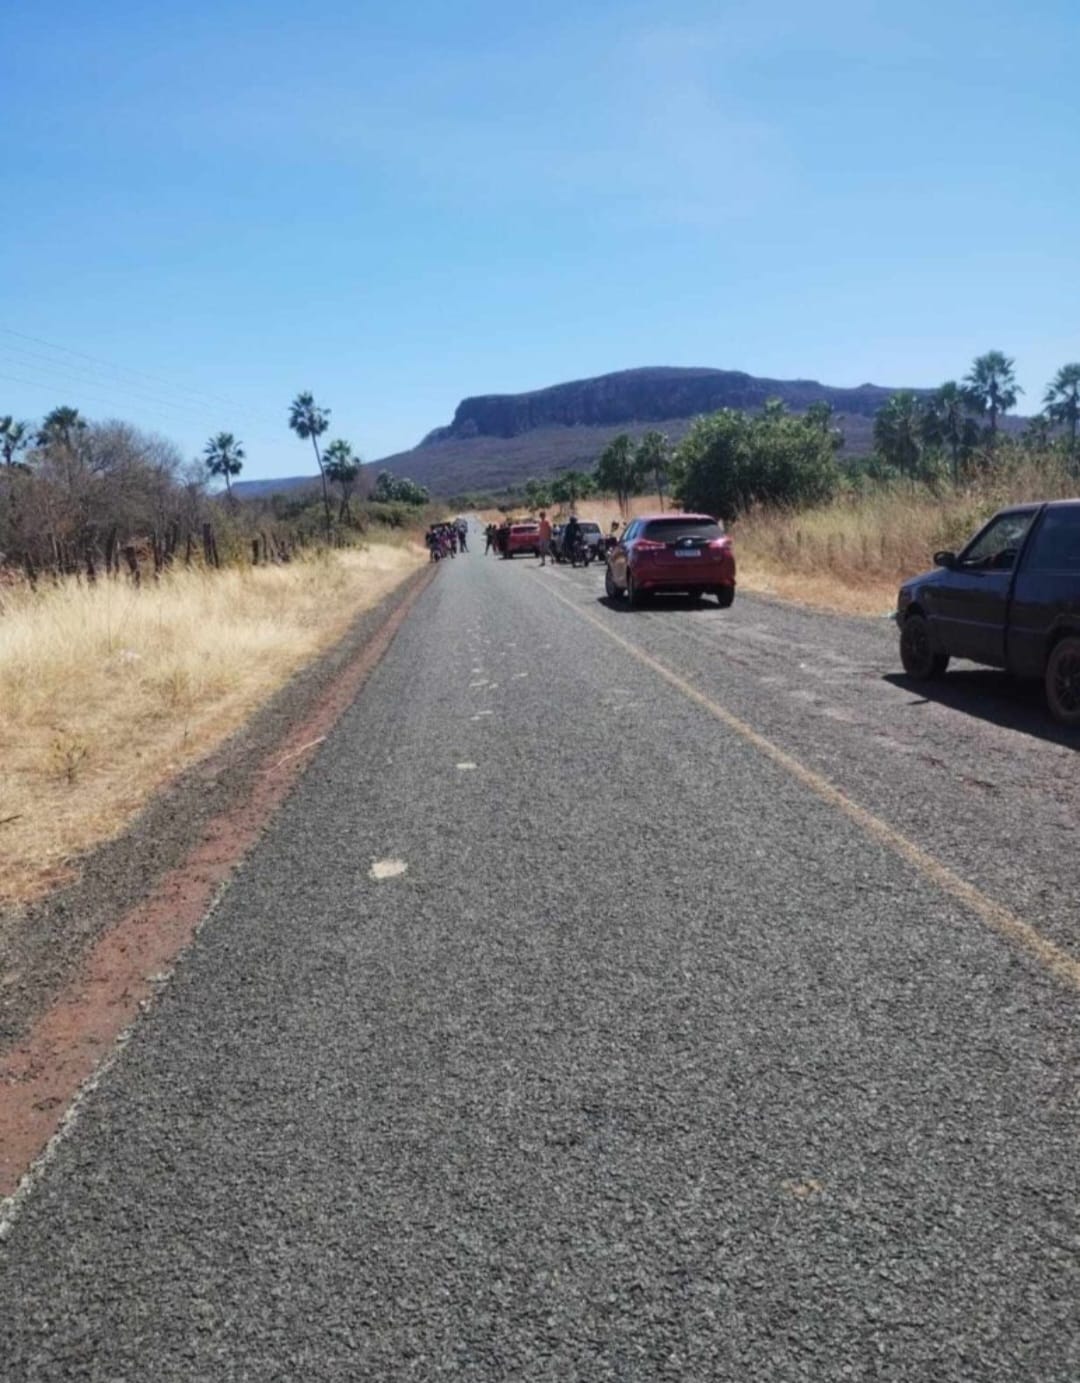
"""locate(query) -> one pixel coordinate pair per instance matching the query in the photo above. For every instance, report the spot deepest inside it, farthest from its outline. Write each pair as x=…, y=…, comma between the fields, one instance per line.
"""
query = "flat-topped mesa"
x=652, y=394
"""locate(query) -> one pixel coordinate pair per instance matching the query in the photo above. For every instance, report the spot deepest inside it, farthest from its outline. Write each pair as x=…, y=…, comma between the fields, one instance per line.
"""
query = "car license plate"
x=687, y=552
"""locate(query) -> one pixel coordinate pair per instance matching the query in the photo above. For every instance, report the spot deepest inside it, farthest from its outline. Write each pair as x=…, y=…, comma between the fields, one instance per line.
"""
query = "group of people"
x=497, y=536
x=447, y=539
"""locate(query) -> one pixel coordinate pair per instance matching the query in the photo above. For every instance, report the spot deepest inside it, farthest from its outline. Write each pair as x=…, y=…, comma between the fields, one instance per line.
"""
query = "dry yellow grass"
x=851, y=555
x=107, y=692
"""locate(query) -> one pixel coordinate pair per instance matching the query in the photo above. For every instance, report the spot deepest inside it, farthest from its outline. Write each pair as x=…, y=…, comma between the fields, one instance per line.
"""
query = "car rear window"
x=672, y=530
x=589, y=527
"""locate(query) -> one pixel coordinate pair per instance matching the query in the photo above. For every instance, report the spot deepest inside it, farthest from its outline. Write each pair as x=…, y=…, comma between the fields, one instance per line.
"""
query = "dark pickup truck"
x=1010, y=599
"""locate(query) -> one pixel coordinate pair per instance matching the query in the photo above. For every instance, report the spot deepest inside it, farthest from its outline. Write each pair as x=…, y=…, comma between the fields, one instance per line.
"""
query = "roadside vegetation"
x=144, y=615
x=814, y=525
x=109, y=690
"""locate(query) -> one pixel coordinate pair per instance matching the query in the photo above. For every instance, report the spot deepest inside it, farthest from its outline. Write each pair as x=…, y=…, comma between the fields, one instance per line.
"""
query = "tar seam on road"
x=995, y=915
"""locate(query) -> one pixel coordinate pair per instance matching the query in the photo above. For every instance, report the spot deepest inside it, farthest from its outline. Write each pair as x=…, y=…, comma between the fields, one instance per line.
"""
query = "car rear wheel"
x=1063, y=681
x=917, y=652
x=725, y=595
x=635, y=598
x=610, y=589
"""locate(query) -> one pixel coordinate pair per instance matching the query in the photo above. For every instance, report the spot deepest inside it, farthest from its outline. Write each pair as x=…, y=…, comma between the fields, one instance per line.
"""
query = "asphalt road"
x=655, y=1061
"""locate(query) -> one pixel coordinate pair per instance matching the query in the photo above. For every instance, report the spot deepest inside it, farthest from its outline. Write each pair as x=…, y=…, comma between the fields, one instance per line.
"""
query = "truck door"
x=970, y=604
x=1046, y=595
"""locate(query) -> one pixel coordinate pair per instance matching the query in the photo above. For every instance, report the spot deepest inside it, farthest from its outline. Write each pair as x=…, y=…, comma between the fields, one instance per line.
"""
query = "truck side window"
x=996, y=548
x=1056, y=546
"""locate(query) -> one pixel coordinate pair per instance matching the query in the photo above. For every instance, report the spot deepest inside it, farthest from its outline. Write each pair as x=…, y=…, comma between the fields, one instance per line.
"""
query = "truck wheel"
x=917, y=651
x=1063, y=681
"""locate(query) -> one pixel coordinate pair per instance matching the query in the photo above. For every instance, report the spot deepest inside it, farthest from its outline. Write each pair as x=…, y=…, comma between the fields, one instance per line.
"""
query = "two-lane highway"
x=619, y=996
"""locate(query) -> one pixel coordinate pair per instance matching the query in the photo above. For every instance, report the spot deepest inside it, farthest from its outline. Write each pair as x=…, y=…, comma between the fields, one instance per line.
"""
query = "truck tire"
x=1063, y=681
x=917, y=652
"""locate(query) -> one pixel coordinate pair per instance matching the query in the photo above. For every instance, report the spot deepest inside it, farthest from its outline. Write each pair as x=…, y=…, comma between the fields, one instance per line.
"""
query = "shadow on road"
x=995, y=697
x=682, y=604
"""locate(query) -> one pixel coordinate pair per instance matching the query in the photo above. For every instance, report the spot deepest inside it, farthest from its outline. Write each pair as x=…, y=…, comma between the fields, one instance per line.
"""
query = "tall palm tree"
x=615, y=469
x=342, y=468
x=61, y=428
x=224, y=456
x=1063, y=402
x=946, y=422
x=307, y=419
x=652, y=459
x=992, y=388
x=897, y=428
x=14, y=437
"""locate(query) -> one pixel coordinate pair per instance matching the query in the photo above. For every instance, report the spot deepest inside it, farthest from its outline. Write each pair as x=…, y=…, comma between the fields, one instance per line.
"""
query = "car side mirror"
x=945, y=559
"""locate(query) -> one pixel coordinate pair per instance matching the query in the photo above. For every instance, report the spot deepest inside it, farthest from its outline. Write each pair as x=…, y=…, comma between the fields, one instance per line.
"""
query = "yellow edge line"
x=1000, y=918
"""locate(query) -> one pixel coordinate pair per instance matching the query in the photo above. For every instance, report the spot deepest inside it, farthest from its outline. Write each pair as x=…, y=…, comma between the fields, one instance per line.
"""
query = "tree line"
x=726, y=462
x=731, y=460
x=960, y=421
x=77, y=494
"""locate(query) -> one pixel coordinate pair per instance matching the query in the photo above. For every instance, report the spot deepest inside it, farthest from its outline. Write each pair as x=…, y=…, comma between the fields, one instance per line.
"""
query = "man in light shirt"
x=545, y=538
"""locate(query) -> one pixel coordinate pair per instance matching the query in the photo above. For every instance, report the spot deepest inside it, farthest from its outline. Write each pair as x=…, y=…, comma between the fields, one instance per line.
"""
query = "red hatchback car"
x=672, y=552
x=523, y=537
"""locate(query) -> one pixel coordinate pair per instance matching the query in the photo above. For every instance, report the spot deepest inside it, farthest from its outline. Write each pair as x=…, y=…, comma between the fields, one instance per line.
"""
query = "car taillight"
x=645, y=547
x=719, y=544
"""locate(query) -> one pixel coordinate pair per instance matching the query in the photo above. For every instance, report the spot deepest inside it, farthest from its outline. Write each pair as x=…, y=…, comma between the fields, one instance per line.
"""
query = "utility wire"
x=201, y=394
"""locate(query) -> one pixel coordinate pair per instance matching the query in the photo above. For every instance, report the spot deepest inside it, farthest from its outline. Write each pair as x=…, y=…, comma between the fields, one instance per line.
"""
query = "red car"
x=523, y=537
x=672, y=552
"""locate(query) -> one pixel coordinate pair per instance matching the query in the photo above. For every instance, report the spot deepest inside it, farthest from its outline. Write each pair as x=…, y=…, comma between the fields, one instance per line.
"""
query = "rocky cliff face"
x=644, y=396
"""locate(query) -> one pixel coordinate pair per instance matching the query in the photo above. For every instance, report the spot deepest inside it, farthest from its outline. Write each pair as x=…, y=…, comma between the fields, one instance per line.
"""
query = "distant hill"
x=500, y=440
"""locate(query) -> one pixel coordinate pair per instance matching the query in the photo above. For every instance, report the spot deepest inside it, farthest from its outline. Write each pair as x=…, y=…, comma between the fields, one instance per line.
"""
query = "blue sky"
x=395, y=206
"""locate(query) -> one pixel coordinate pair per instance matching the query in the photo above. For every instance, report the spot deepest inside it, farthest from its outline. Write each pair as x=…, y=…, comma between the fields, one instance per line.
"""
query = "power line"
x=202, y=394
x=111, y=402
x=74, y=377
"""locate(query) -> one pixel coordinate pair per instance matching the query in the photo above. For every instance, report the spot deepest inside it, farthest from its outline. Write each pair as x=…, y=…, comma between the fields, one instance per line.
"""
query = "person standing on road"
x=570, y=538
x=545, y=537
x=489, y=539
x=463, y=535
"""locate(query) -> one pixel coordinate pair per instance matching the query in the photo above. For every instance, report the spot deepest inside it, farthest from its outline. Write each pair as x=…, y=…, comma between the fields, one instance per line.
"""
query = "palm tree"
x=342, y=468
x=61, y=427
x=224, y=456
x=653, y=459
x=1038, y=433
x=615, y=469
x=896, y=430
x=537, y=495
x=570, y=486
x=946, y=422
x=1063, y=402
x=307, y=419
x=992, y=388
x=14, y=437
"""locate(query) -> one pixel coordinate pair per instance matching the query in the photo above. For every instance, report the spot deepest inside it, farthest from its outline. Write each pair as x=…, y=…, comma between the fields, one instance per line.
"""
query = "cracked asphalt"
x=649, y=1064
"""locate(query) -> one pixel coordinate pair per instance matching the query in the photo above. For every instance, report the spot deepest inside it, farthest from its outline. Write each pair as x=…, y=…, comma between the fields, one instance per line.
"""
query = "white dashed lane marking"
x=387, y=869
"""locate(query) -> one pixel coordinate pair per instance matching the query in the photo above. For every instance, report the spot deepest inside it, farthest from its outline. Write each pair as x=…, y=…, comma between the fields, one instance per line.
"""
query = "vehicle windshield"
x=589, y=527
x=673, y=530
x=996, y=547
